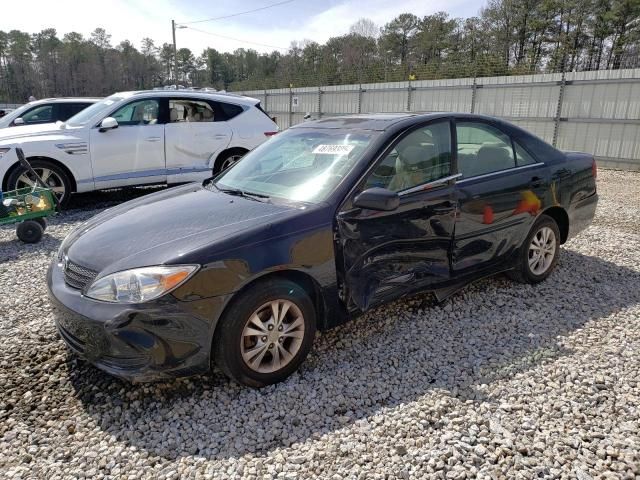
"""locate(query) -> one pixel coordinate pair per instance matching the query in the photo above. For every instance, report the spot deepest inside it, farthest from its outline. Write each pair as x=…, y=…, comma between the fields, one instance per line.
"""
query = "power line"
x=236, y=39
x=239, y=13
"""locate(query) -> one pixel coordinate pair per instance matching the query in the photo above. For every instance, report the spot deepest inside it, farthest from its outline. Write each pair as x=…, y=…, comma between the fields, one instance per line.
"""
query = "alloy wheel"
x=272, y=336
x=50, y=178
x=230, y=161
x=542, y=250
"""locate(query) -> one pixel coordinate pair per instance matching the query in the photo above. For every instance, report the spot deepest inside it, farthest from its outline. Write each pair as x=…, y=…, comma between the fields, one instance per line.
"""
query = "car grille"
x=77, y=276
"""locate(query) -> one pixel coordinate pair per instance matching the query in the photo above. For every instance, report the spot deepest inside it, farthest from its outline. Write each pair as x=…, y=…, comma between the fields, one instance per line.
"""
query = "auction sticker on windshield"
x=333, y=149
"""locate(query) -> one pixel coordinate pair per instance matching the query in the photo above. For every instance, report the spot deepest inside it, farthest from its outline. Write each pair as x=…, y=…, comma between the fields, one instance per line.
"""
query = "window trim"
x=499, y=172
x=385, y=153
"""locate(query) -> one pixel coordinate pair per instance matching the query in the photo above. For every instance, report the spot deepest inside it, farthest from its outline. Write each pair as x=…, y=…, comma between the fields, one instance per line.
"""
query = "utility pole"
x=175, y=52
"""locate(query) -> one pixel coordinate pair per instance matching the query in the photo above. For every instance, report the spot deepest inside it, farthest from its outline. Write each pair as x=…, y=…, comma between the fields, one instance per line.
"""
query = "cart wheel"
x=29, y=231
x=42, y=221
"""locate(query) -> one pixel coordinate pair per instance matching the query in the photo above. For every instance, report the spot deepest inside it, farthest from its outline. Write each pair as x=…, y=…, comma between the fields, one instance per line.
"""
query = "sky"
x=133, y=20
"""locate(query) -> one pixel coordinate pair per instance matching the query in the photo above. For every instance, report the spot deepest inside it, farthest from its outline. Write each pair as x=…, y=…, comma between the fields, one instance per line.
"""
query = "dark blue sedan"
x=321, y=223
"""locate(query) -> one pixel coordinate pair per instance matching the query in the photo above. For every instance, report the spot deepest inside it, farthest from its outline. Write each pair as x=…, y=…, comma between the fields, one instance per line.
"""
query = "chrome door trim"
x=434, y=183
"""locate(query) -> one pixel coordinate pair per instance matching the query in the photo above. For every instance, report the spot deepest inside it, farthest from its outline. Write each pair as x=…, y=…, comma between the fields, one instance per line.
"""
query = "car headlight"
x=3, y=150
x=139, y=284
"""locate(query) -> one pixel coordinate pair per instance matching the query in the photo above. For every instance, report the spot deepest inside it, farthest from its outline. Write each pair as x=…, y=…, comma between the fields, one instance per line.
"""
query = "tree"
x=365, y=28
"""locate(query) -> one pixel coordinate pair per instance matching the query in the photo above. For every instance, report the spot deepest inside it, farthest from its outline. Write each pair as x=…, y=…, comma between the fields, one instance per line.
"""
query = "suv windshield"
x=85, y=116
x=299, y=164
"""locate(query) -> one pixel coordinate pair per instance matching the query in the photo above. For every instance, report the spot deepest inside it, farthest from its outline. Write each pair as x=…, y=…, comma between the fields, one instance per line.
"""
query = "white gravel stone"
x=547, y=385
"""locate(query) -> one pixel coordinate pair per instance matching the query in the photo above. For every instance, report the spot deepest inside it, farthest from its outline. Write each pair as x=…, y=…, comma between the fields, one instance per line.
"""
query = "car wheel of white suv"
x=51, y=174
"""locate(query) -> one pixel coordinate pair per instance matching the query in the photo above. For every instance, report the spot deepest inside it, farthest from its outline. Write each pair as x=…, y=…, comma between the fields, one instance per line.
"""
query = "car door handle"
x=152, y=139
x=219, y=136
x=535, y=182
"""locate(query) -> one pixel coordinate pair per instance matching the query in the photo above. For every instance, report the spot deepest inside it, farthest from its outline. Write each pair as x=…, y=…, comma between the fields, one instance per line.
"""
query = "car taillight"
x=594, y=169
x=269, y=134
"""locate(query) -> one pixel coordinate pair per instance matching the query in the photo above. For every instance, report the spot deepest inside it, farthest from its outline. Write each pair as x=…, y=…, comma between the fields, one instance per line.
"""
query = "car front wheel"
x=266, y=333
x=539, y=253
x=54, y=178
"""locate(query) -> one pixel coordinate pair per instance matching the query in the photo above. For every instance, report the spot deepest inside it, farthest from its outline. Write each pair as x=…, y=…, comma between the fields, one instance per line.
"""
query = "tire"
x=55, y=177
x=238, y=337
x=527, y=268
x=42, y=221
x=228, y=158
x=29, y=231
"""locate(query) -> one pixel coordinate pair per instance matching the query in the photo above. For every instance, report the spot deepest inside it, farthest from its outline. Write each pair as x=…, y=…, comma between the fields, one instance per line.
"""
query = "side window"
x=482, y=149
x=43, y=113
x=228, y=111
x=522, y=156
x=140, y=112
x=421, y=157
x=185, y=110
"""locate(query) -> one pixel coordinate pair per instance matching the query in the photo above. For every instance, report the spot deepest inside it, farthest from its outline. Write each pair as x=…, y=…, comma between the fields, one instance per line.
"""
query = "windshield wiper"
x=242, y=193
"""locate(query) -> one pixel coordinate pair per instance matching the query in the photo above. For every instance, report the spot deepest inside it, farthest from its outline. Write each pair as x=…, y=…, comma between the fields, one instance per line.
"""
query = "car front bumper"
x=146, y=342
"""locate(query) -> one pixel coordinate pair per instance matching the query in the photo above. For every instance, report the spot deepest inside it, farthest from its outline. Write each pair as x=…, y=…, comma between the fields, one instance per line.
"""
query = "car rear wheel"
x=51, y=174
x=266, y=333
x=539, y=253
x=228, y=159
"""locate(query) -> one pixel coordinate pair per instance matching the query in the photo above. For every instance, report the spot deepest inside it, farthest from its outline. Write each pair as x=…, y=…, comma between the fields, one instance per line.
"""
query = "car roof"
x=368, y=121
x=384, y=121
x=219, y=96
x=66, y=100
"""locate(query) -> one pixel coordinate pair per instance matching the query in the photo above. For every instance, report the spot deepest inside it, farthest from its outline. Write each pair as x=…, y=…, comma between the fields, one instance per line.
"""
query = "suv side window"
x=482, y=149
x=188, y=110
x=40, y=114
x=140, y=112
x=422, y=156
x=68, y=110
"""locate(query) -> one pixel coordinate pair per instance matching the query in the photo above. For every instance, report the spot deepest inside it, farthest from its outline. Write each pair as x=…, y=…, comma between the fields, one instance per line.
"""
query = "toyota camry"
x=322, y=222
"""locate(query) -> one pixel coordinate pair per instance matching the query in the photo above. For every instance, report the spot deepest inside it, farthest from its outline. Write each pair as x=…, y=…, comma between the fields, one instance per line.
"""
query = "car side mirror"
x=18, y=121
x=377, y=198
x=108, y=123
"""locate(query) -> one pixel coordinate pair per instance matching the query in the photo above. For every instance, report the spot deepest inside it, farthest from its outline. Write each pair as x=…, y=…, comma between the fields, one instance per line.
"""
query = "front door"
x=390, y=254
x=195, y=135
x=499, y=194
x=133, y=153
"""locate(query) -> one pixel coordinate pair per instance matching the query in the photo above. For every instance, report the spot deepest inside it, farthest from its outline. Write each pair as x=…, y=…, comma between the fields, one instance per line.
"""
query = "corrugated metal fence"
x=596, y=112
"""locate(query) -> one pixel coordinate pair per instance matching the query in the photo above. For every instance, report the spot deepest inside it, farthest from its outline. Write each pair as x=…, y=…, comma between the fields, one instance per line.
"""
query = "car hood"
x=31, y=130
x=163, y=227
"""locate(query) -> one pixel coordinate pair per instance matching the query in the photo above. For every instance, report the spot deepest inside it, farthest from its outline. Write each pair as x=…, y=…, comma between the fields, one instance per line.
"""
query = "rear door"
x=499, y=194
x=195, y=134
x=389, y=254
x=133, y=153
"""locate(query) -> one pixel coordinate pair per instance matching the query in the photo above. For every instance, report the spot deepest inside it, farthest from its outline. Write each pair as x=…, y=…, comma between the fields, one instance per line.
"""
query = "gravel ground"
x=502, y=381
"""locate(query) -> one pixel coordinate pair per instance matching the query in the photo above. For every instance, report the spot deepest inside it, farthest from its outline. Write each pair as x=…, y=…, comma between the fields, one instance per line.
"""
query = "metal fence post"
x=556, y=121
x=266, y=105
x=319, y=102
x=474, y=90
x=409, y=89
x=290, y=105
x=360, y=98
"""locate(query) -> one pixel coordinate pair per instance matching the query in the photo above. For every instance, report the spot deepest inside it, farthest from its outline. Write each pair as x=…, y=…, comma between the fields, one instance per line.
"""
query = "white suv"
x=135, y=138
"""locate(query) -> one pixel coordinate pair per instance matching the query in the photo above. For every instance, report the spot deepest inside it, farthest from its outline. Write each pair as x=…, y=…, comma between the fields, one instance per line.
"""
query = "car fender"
x=72, y=151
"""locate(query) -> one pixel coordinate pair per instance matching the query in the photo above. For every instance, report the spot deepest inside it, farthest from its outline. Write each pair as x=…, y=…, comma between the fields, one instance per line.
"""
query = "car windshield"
x=85, y=116
x=299, y=164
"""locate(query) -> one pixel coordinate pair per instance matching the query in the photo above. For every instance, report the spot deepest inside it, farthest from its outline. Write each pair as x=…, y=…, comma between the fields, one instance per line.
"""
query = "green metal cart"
x=28, y=207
